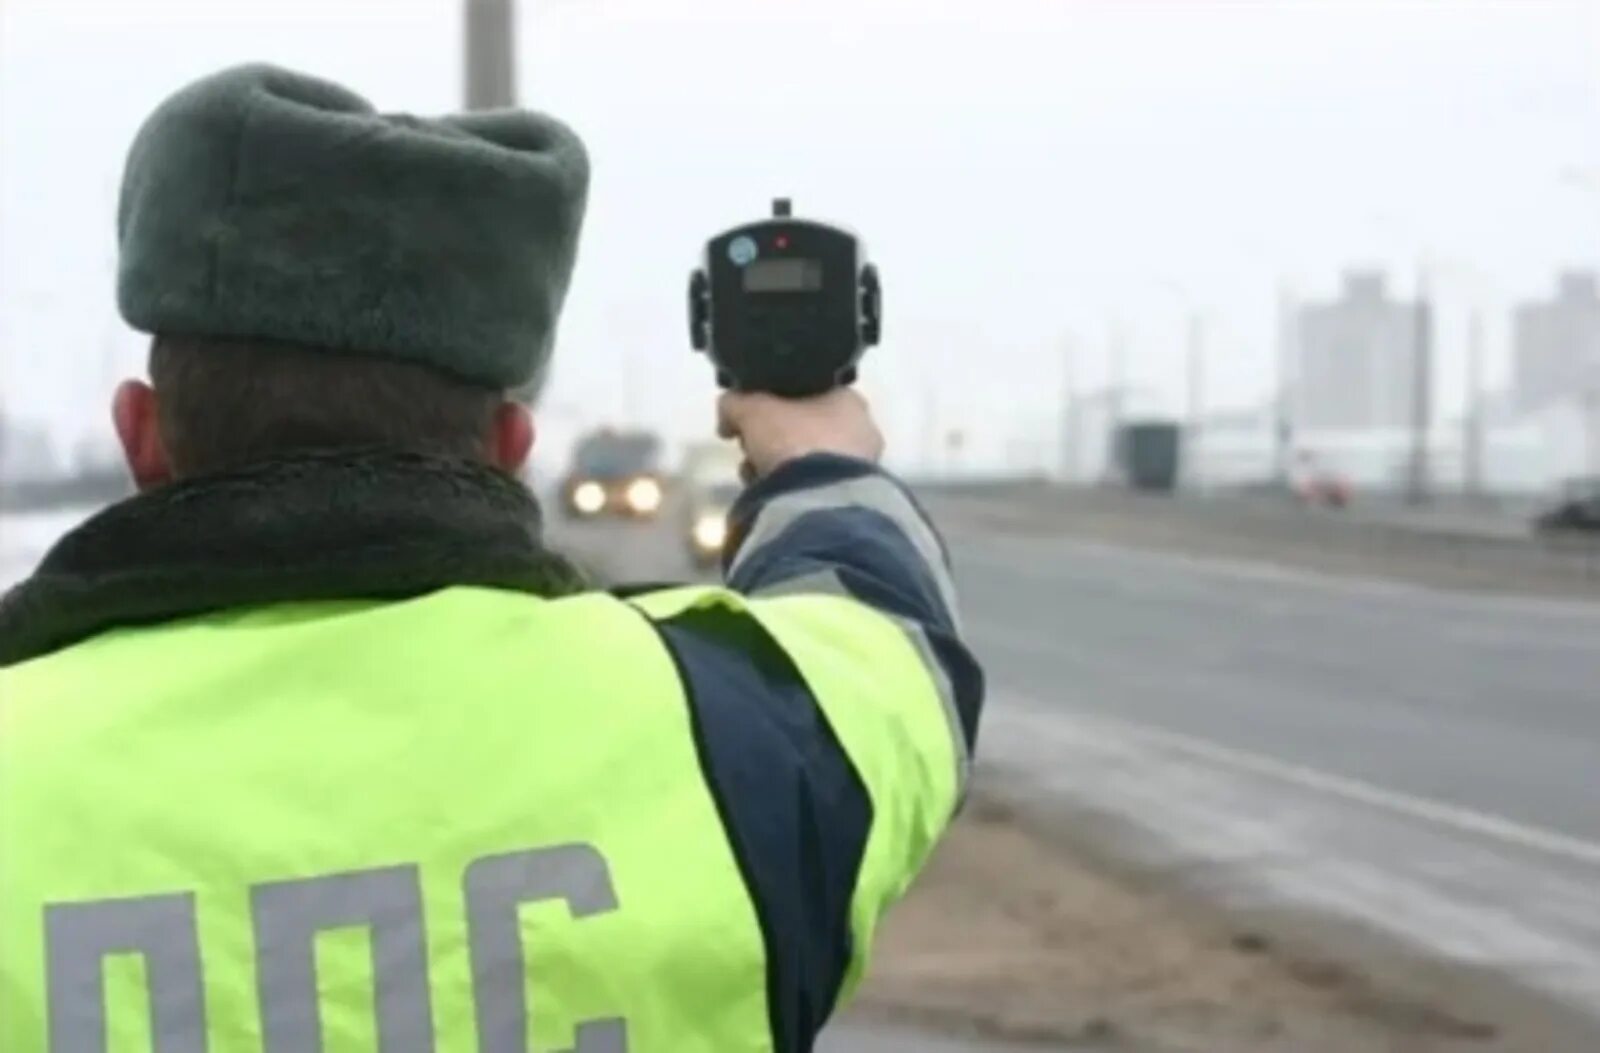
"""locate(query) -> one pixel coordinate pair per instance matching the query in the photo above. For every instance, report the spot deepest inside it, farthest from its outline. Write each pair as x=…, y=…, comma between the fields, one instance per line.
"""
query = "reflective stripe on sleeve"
x=875, y=492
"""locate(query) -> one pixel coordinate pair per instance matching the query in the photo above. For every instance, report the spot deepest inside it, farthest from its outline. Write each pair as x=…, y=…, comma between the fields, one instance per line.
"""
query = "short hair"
x=223, y=404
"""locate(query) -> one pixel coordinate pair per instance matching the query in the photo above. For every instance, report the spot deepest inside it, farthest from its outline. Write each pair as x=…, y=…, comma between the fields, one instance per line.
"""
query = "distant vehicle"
x=615, y=473
x=708, y=524
x=1145, y=454
x=711, y=484
x=1316, y=484
x=1578, y=511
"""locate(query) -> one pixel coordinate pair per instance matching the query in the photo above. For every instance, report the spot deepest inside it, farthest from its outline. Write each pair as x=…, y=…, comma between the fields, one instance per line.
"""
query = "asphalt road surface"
x=1490, y=704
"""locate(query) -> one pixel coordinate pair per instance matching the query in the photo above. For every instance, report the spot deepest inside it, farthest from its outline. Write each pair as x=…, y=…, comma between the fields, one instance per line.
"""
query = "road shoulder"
x=1273, y=533
x=1034, y=925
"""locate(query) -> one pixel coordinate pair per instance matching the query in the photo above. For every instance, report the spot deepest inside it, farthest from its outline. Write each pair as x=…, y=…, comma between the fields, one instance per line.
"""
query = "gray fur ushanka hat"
x=262, y=204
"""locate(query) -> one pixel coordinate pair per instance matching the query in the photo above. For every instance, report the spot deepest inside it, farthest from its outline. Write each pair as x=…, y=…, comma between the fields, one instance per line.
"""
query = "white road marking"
x=1466, y=820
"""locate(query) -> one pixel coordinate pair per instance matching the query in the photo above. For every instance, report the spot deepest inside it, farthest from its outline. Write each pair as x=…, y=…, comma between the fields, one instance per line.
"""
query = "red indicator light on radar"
x=781, y=241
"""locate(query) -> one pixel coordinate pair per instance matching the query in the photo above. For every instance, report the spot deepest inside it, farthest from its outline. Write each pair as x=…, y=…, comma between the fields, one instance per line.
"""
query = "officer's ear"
x=511, y=438
x=133, y=412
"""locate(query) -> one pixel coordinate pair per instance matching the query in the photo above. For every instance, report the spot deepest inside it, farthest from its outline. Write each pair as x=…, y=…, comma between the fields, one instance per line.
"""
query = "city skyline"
x=1556, y=342
x=1088, y=167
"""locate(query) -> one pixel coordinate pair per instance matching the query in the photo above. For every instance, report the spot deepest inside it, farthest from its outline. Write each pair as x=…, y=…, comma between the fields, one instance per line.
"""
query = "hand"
x=774, y=431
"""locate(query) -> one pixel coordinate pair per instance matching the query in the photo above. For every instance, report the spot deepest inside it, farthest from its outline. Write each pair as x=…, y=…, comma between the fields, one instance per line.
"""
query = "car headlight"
x=710, y=531
x=644, y=495
x=589, y=498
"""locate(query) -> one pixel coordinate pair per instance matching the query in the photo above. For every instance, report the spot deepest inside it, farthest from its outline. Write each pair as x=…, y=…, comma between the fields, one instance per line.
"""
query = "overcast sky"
x=1025, y=173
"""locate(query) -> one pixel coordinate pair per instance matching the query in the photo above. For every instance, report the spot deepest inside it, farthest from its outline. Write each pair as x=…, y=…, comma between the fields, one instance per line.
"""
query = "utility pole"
x=1197, y=396
x=1117, y=372
x=1421, y=393
x=1283, y=424
x=490, y=66
x=1069, y=413
x=1591, y=422
x=1117, y=395
x=1472, y=437
x=930, y=427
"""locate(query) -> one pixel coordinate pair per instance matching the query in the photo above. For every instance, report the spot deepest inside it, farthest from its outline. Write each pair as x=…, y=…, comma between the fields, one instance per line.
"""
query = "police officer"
x=313, y=744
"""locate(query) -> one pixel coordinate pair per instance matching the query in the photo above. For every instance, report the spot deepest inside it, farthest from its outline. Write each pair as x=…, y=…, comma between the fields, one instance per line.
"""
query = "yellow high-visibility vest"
x=207, y=844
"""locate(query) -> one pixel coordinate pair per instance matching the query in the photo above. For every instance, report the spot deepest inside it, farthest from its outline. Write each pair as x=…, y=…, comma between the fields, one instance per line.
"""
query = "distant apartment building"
x=1556, y=344
x=1356, y=359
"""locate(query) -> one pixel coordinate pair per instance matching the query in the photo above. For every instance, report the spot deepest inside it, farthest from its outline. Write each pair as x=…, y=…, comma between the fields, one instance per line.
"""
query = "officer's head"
x=317, y=275
x=211, y=405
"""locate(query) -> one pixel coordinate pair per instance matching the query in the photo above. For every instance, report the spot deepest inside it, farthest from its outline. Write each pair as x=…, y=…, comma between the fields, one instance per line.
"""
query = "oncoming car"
x=1578, y=511
x=708, y=524
x=710, y=487
x=1315, y=485
x=615, y=473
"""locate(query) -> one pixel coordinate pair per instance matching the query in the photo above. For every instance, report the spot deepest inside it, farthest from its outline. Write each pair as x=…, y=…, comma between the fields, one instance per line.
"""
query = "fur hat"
x=262, y=204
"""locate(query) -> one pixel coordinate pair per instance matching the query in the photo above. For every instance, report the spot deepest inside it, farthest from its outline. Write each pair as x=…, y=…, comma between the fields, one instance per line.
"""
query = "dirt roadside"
x=1016, y=931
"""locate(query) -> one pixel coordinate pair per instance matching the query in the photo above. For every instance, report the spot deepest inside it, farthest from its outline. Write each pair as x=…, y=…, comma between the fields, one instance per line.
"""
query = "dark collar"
x=337, y=525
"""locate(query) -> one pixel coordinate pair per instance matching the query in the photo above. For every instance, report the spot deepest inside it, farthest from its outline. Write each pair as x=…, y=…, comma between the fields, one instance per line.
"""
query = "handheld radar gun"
x=785, y=306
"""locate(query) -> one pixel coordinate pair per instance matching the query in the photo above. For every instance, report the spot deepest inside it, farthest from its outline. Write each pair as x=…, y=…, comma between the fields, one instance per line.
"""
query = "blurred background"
x=1219, y=213
x=1249, y=353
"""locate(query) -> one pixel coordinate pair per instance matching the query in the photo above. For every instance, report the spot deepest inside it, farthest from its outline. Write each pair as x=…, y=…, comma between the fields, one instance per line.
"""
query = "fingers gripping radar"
x=785, y=305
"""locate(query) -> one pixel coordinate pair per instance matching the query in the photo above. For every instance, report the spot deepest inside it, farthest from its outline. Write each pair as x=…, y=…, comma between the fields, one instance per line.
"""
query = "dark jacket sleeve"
x=840, y=525
x=797, y=812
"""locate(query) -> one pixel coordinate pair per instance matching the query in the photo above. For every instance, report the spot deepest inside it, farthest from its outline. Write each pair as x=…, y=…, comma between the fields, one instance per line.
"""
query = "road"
x=1422, y=765
x=1490, y=704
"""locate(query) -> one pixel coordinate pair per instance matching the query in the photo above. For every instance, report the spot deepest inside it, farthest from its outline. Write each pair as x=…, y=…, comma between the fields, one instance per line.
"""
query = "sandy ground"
x=1013, y=933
